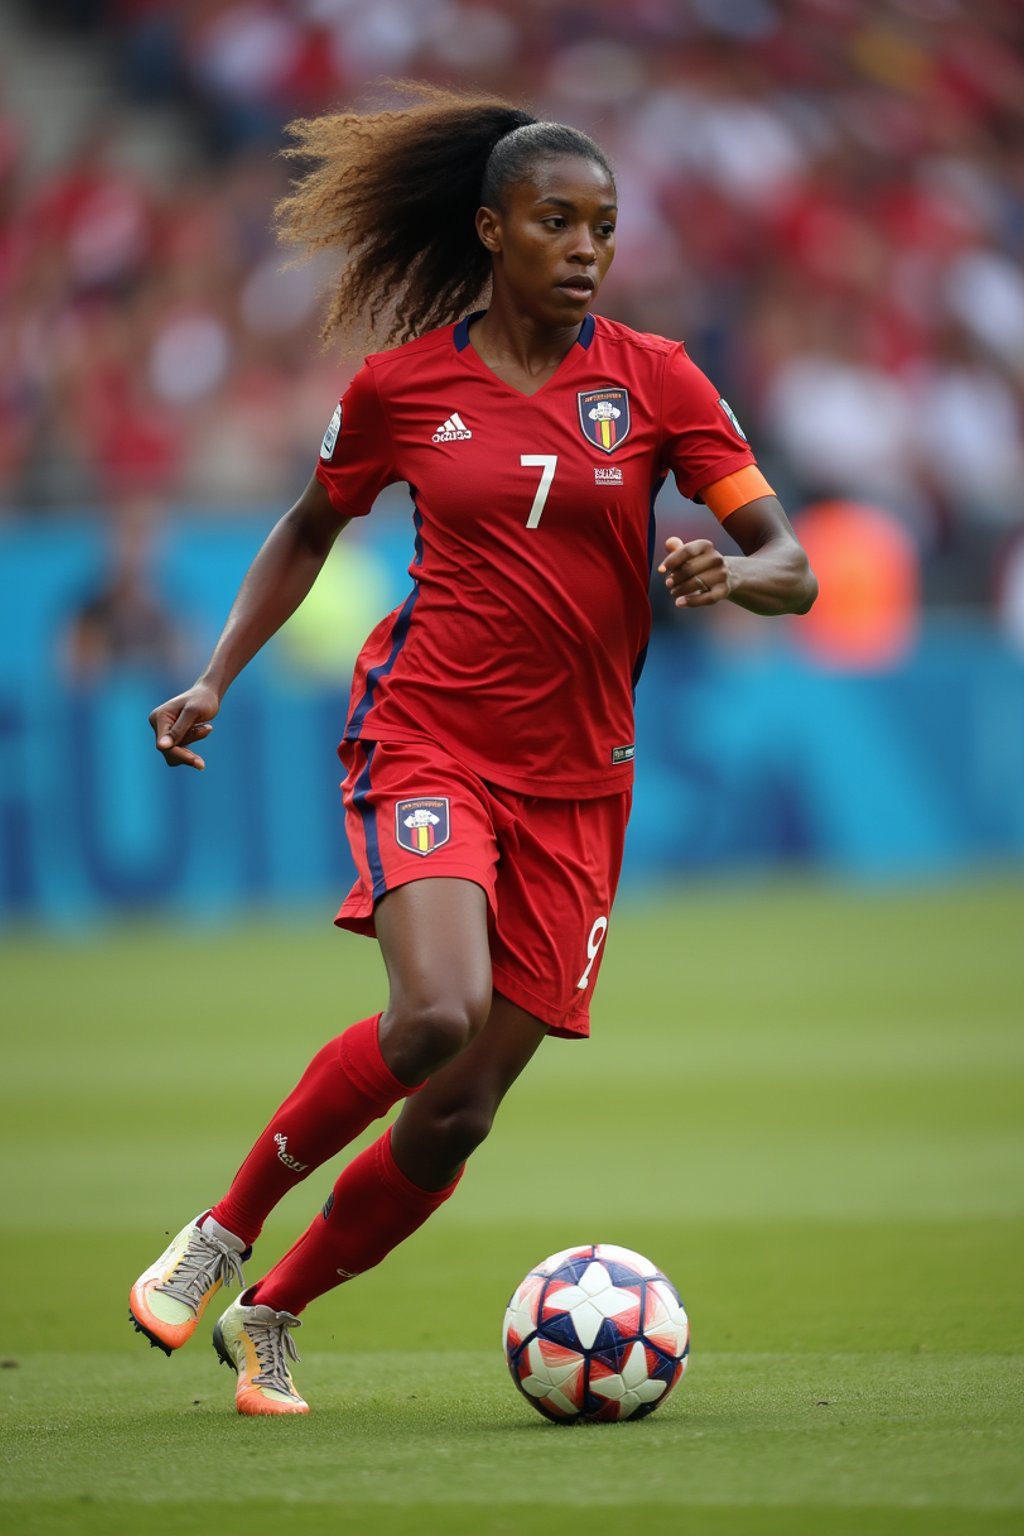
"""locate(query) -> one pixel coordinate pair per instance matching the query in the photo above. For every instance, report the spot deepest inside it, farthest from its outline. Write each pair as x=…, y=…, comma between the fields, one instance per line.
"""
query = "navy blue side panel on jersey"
x=638, y=668
x=368, y=816
x=398, y=638
x=652, y=525
x=652, y=529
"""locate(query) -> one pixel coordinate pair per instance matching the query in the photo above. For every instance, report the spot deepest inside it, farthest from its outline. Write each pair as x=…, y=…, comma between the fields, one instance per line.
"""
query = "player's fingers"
x=702, y=581
x=701, y=592
x=162, y=720
x=683, y=583
x=673, y=545
x=695, y=559
x=181, y=757
x=171, y=731
x=679, y=553
x=710, y=559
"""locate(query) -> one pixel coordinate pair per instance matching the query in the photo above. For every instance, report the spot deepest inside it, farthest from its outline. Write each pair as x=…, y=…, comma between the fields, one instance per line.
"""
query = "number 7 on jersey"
x=545, y=462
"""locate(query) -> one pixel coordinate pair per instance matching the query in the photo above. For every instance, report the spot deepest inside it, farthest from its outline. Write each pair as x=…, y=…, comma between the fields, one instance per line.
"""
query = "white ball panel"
x=636, y=1261
x=558, y=1401
x=522, y=1309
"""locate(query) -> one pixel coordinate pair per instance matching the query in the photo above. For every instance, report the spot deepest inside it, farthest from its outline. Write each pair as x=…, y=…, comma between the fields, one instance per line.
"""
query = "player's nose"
x=582, y=249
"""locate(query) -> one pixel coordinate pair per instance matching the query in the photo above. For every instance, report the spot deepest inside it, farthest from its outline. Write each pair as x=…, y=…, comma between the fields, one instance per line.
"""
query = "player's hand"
x=696, y=573
x=182, y=722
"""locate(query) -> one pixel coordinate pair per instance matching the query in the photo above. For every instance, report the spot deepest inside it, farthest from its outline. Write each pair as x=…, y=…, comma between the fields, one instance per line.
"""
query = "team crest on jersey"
x=331, y=435
x=422, y=825
x=604, y=417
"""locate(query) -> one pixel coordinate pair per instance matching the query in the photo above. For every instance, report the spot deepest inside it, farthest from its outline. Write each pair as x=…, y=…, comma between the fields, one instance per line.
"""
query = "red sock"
x=345, y=1086
x=374, y=1207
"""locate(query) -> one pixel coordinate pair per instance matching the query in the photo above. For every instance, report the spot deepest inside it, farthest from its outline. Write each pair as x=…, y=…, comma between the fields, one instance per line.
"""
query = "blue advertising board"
x=747, y=758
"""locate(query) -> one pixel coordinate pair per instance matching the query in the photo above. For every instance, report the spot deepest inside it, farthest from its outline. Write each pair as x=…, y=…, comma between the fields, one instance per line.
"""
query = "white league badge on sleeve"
x=331, y=435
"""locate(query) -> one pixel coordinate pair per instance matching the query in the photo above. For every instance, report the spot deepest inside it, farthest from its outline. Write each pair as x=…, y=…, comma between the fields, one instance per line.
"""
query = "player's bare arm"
x=772, y=575
x=281, y=575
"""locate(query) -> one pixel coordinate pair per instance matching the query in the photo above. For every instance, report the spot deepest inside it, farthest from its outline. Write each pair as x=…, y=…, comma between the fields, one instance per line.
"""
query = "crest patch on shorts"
x=422, y=825
x=604, y=417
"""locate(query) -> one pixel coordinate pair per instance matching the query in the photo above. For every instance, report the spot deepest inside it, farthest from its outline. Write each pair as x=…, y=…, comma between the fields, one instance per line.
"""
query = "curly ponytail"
x=399, y=191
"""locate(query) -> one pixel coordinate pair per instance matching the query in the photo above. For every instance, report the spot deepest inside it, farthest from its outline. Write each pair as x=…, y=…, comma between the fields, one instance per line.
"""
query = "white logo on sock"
x=285, y=1156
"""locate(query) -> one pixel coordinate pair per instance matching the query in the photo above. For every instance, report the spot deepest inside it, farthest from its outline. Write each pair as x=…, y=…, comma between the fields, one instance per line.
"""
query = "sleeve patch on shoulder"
x=331, y=435
x=727, y=408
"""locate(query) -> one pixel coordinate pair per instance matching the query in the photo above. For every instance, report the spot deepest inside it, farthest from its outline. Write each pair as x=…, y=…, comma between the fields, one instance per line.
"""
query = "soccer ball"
x=596, y=1333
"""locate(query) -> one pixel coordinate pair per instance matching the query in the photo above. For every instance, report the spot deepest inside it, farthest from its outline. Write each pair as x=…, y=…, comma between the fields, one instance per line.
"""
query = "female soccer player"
x=489, y=744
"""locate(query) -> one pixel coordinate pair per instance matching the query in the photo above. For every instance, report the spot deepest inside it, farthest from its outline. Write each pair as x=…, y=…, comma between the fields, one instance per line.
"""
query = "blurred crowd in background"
x=825, y=198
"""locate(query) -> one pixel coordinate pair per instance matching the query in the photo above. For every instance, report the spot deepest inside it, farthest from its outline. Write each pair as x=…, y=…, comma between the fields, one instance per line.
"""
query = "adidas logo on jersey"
x=453, y=431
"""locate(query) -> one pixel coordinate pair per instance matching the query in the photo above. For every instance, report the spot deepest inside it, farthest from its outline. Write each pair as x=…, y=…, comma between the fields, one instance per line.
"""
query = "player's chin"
x=575, y=300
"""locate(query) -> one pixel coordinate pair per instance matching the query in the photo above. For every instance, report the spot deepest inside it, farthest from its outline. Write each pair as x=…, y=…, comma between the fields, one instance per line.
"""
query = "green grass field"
x=804, y=1104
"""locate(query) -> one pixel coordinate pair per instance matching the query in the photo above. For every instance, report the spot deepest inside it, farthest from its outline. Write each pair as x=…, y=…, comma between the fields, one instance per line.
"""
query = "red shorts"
x=549, y=867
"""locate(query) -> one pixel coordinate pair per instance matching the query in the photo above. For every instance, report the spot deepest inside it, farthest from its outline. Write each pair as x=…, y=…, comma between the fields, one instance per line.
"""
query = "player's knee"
x=460, y=1130
x=445, y=1027
x=422, y=1034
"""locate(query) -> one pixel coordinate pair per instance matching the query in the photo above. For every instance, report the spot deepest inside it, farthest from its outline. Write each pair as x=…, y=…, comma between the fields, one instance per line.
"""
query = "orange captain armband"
x=724, y=496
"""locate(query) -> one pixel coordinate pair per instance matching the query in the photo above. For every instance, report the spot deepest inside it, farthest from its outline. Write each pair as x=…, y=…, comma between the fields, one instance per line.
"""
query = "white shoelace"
x=205, y=1261
x=274, y=1347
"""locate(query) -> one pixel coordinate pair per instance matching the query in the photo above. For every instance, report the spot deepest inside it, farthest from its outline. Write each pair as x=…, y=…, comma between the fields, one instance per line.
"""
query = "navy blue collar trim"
x=461, y=337
x=461, y=333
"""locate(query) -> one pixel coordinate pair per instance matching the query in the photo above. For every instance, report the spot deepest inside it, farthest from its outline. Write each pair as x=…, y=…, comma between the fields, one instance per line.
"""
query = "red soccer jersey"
x=524, y=634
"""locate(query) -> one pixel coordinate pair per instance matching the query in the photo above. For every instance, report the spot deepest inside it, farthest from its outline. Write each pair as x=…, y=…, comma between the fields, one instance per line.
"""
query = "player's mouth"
x=579, y=287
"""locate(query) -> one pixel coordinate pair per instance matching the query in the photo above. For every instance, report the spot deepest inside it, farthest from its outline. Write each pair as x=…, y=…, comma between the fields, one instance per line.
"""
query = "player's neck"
x=517, y=347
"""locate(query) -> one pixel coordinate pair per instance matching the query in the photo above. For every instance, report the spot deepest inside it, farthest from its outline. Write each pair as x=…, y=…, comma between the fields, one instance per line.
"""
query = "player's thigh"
x=433, y=936
x=421, y=828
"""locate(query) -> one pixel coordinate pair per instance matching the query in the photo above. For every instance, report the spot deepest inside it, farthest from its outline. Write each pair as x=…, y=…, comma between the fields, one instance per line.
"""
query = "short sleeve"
x=356, y=456
x=701, y=439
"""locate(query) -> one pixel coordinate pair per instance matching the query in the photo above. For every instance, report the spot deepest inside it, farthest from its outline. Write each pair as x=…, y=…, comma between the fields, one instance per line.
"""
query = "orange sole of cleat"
x=260, y=1409
x=172, y=1335
x=252, y=1404
x=255, y=1406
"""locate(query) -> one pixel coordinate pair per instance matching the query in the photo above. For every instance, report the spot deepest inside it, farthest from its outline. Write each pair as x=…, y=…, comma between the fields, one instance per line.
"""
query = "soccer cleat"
x=168, y=1300
x=255, y=1341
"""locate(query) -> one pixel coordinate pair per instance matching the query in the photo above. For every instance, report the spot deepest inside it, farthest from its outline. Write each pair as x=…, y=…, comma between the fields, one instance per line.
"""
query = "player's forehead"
x=573, y=180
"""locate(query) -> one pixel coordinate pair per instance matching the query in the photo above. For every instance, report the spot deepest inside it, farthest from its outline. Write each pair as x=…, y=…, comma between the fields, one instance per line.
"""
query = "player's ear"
x=488, y=227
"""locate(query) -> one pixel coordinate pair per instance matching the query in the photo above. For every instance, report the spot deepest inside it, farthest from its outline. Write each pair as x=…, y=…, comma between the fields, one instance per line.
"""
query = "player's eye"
x=605, y=230
x=555, y=221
